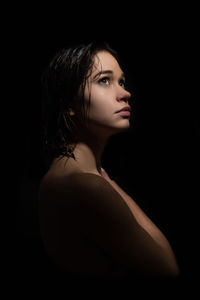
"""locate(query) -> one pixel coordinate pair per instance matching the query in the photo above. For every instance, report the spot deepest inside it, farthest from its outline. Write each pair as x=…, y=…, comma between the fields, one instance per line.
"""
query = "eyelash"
x=107, y=78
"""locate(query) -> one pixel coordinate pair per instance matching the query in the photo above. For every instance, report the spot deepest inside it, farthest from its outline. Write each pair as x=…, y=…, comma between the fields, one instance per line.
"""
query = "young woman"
x=89, y=225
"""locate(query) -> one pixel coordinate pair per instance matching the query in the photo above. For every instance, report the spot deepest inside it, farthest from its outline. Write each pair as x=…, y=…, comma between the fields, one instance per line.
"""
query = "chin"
x=110, y=129
x=125, y=123
x=122, y=127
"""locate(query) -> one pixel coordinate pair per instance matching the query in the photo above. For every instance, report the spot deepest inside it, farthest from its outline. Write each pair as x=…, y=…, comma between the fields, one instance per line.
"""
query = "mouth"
x=125, y=111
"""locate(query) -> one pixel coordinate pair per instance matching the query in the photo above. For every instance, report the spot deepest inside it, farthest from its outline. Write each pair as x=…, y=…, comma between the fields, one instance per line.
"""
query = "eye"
x=122, y=83
x=104, y=80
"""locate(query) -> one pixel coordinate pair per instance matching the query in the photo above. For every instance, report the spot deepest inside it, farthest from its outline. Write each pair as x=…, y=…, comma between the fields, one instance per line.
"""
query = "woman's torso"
x=61, y=233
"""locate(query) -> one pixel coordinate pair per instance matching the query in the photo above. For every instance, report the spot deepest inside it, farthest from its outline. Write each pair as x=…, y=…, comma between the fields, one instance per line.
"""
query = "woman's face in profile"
x=108, y=94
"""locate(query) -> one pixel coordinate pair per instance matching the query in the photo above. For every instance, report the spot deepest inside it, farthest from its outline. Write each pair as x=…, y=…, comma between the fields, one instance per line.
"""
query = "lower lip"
x=124, y=113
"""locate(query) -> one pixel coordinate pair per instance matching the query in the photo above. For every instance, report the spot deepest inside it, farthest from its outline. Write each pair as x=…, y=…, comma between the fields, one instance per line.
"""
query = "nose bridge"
x=122, y=94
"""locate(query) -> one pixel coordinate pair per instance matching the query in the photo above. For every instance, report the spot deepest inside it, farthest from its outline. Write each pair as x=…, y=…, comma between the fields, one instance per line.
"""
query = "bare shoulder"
x=90, y=204
x=84, y=195
x=74, y=185
x=88, y=184
x=73, y=180
x=87, y=181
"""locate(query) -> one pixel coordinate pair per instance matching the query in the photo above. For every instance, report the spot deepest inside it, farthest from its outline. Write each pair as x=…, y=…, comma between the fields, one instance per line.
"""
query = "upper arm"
x=104, y=217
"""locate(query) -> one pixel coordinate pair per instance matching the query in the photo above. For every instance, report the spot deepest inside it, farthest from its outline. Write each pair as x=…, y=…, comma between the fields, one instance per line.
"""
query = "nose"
x=123, y=95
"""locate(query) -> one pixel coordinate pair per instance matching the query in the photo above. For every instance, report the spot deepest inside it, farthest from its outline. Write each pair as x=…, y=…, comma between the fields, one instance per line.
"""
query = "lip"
x=124, y=113
x=124, y=109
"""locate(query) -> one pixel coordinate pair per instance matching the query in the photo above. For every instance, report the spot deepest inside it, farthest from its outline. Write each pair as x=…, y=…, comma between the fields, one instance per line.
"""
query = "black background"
x=156, y=161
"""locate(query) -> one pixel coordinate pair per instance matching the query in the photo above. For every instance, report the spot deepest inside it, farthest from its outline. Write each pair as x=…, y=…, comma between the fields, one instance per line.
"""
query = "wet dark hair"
x=63, y=83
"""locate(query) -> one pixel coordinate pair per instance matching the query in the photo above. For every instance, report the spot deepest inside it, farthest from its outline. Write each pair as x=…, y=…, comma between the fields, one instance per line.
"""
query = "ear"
x=71, y=112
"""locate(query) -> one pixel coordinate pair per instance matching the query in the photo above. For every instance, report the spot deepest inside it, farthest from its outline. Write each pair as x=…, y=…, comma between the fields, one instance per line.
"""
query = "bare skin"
x=107, y=97
x=63, y=173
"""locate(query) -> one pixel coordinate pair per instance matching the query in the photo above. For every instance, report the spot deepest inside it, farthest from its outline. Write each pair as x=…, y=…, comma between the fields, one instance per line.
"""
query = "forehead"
x=103, y=60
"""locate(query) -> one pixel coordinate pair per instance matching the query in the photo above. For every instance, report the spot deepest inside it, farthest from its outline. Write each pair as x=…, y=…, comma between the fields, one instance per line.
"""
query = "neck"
x=88, y=152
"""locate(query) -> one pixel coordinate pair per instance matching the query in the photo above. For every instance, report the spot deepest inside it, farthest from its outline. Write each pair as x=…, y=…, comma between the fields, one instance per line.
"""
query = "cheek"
x=101, y=105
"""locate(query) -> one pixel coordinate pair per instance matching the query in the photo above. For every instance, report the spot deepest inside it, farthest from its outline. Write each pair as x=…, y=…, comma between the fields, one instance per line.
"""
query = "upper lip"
x=125, y=108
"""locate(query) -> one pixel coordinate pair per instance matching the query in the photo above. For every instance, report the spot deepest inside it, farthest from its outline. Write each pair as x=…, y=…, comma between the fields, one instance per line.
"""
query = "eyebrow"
x=107, y=72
